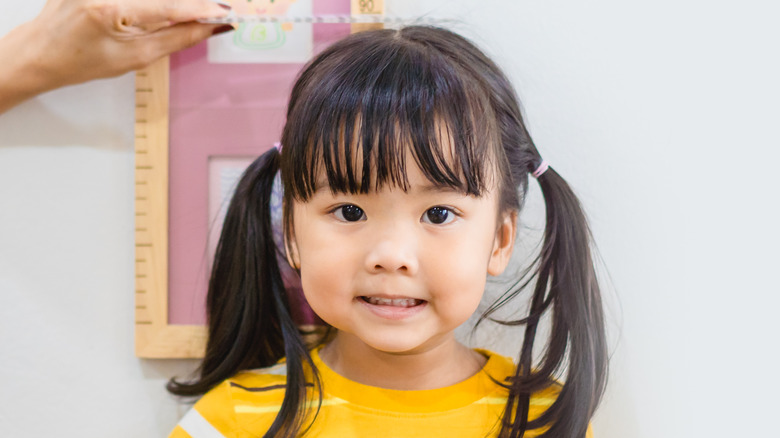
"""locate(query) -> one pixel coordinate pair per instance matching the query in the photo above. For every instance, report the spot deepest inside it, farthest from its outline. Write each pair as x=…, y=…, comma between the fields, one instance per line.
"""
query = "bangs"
x=370, y=102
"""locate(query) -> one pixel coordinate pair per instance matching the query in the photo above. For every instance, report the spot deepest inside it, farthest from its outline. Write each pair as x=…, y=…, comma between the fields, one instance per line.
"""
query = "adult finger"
x=181, y=36
x=172, y=11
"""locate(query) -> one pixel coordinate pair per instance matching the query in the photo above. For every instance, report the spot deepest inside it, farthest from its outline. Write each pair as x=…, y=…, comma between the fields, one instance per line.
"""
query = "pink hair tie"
x=543, y=166
x=278, y=146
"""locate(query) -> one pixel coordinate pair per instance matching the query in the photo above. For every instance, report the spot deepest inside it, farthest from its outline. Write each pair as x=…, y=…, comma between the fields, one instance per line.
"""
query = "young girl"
x=404, y=165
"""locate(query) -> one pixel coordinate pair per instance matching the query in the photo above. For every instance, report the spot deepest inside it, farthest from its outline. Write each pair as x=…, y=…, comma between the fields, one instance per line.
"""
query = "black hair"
x=356, y=111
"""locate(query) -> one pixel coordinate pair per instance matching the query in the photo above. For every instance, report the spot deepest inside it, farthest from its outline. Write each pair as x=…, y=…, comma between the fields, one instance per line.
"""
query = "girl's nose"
x=393, y=252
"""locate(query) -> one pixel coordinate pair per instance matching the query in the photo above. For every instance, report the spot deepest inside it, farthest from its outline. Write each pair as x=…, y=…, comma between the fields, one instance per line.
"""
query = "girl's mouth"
x=394, y=302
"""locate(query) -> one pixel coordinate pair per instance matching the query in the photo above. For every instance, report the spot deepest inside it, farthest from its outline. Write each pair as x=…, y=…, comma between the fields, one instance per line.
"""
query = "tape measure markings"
x=325, y=19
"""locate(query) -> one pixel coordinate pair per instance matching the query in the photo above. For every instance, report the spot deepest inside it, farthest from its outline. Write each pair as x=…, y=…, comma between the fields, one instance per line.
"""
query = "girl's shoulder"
x=260, y=377
x=502, y=369
x=249, y=400
x=258, y=390
x=256, y=386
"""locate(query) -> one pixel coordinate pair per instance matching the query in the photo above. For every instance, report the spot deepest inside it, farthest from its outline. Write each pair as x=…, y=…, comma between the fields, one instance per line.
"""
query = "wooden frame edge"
x=154, y=337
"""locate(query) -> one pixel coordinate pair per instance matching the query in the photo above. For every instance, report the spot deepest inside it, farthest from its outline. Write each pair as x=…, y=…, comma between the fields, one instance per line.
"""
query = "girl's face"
x=399, y=270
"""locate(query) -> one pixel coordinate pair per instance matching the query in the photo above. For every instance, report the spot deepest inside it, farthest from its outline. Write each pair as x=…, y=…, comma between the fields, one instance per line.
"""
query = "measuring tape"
x=324, y=19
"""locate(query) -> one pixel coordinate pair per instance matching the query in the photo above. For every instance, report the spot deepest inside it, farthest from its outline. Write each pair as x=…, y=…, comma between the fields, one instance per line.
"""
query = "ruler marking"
x=365, y=18
x=147, y=167
x=366, y=6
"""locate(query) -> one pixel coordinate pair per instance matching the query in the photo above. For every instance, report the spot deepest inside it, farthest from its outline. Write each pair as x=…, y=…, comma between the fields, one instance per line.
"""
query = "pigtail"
x=249, y=319
x=566, y=283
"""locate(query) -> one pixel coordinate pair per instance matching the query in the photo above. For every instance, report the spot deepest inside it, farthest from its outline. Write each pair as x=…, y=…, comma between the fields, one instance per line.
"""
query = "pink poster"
x=225, y=110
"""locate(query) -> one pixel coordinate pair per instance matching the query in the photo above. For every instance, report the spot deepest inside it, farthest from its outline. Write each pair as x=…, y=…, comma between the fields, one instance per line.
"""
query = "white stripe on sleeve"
x=197, y=426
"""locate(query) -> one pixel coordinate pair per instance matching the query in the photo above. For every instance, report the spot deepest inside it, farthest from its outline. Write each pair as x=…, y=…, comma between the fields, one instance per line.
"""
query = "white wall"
x=663, y=115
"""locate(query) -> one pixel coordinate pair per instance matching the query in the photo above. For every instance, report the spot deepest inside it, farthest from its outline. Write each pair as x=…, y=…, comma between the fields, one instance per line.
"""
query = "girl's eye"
x=438, y=216
x=349, y=213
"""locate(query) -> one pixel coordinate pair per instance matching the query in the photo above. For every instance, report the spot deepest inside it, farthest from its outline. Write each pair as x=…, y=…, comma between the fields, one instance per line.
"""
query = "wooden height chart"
x=155, y=337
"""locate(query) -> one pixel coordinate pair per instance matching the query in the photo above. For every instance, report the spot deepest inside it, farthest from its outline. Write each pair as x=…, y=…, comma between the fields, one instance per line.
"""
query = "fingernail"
x=224, y=5
x=222, y=29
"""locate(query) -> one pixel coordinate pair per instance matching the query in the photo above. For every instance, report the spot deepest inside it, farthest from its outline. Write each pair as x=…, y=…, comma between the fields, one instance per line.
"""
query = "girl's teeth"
x=400, y=302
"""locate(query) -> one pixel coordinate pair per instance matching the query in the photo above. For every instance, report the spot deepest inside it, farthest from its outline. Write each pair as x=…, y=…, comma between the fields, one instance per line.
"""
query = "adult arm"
x=73, y=41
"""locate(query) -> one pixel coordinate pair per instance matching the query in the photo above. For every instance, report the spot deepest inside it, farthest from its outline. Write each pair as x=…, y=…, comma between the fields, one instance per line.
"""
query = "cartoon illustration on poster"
x=265, y=42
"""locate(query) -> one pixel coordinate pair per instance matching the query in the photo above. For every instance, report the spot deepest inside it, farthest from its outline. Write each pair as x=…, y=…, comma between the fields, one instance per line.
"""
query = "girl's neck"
x=444, y=364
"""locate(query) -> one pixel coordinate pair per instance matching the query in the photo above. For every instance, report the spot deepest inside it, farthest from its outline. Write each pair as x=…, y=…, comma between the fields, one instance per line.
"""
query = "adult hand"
x=73, y=41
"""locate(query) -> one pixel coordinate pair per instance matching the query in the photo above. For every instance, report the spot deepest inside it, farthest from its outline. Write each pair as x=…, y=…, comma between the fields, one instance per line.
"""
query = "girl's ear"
x=503, y=244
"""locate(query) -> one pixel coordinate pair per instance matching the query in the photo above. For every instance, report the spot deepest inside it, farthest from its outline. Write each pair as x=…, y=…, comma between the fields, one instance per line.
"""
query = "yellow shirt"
x=246, y=405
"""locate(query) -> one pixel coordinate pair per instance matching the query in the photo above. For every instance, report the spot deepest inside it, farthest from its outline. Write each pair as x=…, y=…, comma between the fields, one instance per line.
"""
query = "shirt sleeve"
x=212, y=416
